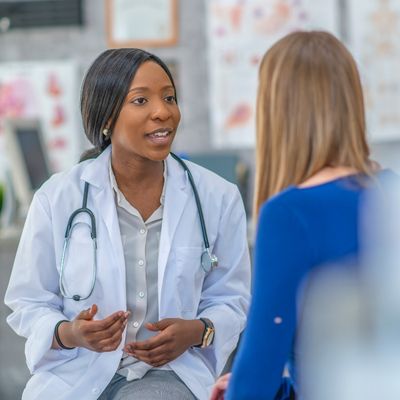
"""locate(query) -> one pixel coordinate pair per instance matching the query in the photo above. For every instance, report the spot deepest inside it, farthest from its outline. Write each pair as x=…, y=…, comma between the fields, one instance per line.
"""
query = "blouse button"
x=278, y=320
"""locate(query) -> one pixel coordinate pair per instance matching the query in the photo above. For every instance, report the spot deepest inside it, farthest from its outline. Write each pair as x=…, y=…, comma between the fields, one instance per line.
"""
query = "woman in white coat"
x=132, y=306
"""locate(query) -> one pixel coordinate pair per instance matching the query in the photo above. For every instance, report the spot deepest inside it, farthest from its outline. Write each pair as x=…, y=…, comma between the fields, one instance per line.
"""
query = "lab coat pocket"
x=190, y=277
x=79, y=262
x=45, y=385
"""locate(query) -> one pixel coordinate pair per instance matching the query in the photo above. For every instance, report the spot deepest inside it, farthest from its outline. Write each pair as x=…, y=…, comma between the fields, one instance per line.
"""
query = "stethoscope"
x=208, y=260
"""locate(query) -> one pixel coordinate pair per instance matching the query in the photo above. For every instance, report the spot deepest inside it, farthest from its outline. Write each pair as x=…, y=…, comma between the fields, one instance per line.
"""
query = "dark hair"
x=104, y=90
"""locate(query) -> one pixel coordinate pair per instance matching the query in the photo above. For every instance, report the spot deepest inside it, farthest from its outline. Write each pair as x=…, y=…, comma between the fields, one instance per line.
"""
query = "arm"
x=282, y=258
x=33, y=292
x=34, y=296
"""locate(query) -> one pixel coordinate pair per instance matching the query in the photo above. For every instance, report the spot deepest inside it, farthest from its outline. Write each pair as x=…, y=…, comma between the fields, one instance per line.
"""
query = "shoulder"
x=280, y=203
x=61, y=179
x=62, y=185
x=283, y=213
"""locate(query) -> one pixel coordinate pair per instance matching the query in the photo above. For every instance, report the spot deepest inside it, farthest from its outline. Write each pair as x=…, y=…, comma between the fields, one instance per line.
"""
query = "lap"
x=155, y=385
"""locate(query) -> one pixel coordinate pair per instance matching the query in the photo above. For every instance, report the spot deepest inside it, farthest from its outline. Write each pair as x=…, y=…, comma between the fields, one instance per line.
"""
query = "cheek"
x=177, y=116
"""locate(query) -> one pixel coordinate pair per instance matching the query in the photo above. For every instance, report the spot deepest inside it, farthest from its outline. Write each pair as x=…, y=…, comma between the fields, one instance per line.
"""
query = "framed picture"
x=139, y=23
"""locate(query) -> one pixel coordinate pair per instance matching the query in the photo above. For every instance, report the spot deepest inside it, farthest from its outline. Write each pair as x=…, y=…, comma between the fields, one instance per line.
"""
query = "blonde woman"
x=312, y=168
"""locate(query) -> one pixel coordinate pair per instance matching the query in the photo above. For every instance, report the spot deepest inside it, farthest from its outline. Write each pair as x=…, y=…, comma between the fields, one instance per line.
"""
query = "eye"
x=139, y=101
x=170, y=99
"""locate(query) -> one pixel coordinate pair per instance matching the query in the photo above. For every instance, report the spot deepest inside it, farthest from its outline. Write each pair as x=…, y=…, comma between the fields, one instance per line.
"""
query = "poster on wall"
x=48, y=91
x=374, y=31
x=239, y=33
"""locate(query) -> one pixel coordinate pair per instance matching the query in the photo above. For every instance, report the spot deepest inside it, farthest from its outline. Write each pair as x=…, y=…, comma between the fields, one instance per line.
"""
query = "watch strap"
x=208, y=330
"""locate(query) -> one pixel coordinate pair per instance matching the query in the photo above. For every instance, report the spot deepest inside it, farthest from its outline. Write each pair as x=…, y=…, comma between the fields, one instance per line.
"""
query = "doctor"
x=120, y=289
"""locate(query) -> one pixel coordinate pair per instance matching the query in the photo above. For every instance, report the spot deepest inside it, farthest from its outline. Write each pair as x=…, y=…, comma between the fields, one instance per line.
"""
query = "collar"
x=96, y=172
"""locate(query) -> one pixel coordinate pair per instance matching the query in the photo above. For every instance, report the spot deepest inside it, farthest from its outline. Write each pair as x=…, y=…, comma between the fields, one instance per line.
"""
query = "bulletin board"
x=239, y=33
x=48, y=91
x=373, y=38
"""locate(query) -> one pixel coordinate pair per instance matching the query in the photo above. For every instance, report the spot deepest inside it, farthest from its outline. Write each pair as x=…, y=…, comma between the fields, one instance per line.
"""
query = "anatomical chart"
x=374, y=32
x=239, y=33
x=47, y=91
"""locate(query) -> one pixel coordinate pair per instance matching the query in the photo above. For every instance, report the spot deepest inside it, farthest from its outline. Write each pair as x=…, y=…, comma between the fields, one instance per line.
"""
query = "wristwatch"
x=208, y=334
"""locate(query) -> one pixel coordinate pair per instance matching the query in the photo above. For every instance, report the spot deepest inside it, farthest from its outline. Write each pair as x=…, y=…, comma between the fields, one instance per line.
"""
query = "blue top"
x=298, y=229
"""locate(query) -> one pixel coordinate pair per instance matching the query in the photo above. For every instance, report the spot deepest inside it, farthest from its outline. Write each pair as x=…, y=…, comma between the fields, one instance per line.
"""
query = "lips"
x=160, y=136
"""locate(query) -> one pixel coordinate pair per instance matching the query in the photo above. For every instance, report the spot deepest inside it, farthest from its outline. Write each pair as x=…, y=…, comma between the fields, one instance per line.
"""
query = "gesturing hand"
x=220, y=387
x=174, y=338
x=97, y=335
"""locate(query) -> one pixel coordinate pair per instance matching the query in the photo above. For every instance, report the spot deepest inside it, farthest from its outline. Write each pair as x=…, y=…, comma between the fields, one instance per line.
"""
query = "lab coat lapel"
x=101, y=193
x=176, y=196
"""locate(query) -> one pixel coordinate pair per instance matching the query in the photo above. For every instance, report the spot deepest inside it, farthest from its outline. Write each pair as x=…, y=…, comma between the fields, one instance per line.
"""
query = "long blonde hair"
x=310, y=112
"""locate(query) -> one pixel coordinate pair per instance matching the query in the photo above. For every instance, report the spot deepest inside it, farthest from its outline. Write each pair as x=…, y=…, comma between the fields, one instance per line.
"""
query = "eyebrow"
x=144, y=88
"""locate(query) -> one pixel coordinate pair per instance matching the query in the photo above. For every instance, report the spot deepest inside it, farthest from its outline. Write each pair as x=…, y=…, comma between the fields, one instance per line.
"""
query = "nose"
x=161, y=111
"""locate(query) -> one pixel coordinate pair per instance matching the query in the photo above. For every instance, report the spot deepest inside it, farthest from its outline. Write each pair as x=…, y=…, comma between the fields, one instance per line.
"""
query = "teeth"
x=161, y=134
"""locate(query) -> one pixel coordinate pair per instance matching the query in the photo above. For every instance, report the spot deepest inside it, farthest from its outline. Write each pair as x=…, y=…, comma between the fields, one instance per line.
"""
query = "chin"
x=159, y=155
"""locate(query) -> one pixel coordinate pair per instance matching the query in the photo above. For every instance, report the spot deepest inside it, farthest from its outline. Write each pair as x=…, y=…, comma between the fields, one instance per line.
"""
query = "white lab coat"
x=184, y=290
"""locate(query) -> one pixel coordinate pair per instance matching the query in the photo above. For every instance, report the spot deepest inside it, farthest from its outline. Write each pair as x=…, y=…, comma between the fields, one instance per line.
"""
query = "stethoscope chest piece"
x=208, y=261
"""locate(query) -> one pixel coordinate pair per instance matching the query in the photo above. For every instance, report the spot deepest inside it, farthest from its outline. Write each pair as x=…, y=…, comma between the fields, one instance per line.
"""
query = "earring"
x=106, y=131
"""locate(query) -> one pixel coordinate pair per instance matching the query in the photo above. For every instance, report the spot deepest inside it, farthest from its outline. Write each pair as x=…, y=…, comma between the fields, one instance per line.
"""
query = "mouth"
x=160, y=136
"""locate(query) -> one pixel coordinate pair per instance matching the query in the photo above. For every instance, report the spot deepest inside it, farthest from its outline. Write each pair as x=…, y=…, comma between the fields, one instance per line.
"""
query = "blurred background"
x=213, y=48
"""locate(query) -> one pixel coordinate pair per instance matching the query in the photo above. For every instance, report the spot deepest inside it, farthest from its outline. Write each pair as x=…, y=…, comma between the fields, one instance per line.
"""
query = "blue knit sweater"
x=298, y=230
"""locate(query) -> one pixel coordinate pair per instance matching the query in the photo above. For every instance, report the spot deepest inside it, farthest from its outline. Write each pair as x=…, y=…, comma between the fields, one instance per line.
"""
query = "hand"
x=174, y=338
x=96, y=335
x=220, y=387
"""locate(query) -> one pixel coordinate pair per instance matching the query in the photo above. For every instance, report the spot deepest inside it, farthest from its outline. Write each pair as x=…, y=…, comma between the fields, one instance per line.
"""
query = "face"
x=148, y=120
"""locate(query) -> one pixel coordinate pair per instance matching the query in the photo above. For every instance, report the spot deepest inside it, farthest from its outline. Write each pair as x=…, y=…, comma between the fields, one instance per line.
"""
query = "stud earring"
x=106, y=131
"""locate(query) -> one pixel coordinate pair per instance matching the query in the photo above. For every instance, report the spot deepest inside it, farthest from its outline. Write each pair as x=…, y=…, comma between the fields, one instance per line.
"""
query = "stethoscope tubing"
x=207, y=266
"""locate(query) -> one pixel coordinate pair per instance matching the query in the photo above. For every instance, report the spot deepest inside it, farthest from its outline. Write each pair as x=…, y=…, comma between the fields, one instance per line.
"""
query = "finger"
x=158, y=353
x=113, y=342
x=151, y=327
x=88, y=314
x=217, y=394
x=106, y=323
x=161, y=325
x=93, y=310
x=118, y=326
x=153, y=357
x=161, y=363
x=149, y=344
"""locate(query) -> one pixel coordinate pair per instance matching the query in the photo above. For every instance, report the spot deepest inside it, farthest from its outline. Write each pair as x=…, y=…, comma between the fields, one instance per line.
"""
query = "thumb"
x=88, y=314
x=160, y=325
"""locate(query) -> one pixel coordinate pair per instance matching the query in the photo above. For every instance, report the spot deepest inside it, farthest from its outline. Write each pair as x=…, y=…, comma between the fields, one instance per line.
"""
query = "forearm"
x=197, y=330
x=66, y=336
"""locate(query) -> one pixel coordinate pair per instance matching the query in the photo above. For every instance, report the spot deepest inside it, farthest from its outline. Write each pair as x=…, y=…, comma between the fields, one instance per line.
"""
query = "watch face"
x=210, y=338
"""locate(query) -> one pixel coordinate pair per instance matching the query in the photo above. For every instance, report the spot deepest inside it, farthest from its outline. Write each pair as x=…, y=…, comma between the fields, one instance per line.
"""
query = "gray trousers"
x=155, y=385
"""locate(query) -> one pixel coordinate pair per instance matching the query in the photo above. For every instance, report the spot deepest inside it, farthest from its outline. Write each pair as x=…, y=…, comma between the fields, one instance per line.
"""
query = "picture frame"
x=139, y=23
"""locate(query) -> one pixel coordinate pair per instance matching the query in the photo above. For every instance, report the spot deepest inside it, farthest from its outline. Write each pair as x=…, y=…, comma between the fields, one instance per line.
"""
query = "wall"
x=83, y=44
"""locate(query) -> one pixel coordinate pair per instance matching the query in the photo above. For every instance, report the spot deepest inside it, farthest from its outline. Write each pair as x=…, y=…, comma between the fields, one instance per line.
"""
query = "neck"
x=136, y=173
x=327, y=174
